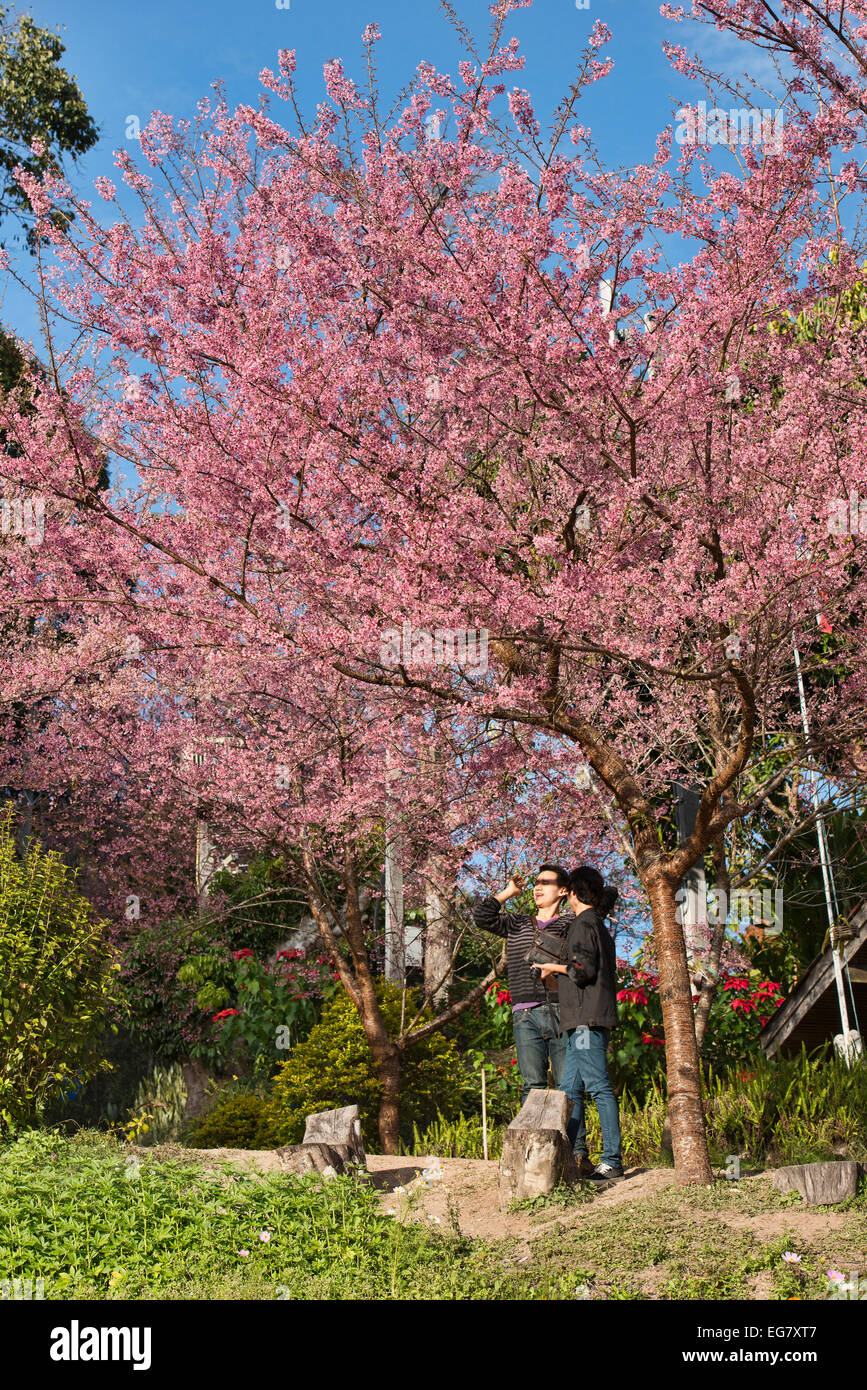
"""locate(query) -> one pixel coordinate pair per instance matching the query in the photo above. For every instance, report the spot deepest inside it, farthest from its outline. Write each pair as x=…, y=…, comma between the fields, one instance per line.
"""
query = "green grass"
x=92, y=1225
x=563, y=1198
x=675, y=1245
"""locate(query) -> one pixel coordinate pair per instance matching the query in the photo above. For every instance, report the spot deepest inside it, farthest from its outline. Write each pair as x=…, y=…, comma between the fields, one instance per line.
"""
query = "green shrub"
x=164, y=1010
x=59, y=981
x=234, y=1124
x=791, y=1109
x=788, y=1110
x=333, y=1067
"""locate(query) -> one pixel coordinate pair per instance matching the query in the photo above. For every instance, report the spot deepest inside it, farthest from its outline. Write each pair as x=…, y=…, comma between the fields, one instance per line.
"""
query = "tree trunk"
x=359, y=984
x=710, y=983
x=386, y=1061
x=685, y=1108
x=438, y=932
x=196, y=1079
x=206, y=858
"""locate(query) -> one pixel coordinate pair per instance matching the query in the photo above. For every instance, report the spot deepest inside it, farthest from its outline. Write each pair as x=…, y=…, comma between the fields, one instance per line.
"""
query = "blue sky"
x=133, y=58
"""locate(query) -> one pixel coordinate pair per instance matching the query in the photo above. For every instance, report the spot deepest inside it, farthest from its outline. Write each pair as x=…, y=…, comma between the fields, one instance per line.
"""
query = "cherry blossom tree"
x=282, y=764
x=362, y=375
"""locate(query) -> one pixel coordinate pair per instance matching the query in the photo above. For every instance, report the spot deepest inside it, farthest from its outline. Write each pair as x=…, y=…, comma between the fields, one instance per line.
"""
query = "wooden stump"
x=338, y=1128
x=327, y=1159
x=820, y=1184
x=536, y=1152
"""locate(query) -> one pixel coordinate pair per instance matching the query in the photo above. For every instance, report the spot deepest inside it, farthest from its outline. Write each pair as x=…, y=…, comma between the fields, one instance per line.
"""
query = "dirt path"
x=471, y=1183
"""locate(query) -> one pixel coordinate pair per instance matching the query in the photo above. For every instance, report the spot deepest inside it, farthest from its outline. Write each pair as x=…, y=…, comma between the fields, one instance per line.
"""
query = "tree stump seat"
x=537, y=1154
x=820, y=1184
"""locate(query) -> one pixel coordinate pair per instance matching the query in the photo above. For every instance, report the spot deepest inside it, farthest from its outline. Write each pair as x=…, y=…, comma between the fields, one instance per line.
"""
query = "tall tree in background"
x=39, y=102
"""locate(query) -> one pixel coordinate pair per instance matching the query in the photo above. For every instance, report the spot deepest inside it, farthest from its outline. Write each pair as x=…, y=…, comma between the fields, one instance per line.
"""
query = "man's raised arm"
x=486, y=912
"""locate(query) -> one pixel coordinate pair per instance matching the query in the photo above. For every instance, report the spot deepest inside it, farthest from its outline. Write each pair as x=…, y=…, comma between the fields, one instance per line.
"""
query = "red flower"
x=742, y=1004
x=226, y=1013
x=514, y=1062
x=768, y=987
x=736, y=984
x=651, y=1041
x=503, y=996
x=632, y=996
x=242, y=954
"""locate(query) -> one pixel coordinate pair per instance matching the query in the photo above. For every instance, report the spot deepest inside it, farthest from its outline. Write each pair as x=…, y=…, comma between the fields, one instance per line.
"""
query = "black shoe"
x=606, y=1172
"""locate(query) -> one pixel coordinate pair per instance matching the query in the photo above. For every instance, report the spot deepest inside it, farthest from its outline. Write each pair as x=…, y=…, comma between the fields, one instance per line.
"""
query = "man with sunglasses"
x=535, y=1006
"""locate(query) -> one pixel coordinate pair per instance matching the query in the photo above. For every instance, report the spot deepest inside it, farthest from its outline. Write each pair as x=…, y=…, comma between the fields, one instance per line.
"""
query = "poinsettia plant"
x=743, y=1005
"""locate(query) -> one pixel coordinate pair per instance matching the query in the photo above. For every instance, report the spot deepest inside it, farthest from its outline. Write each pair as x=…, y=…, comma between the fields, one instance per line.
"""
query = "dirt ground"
x=472, y=1185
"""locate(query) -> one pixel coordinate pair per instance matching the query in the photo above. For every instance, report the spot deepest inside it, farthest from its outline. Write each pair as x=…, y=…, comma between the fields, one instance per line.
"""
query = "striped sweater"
x=518, y=928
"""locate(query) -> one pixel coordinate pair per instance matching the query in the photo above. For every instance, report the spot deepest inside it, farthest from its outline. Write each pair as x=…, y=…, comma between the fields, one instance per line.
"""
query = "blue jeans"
x=586, y=1068
x=536, y=1042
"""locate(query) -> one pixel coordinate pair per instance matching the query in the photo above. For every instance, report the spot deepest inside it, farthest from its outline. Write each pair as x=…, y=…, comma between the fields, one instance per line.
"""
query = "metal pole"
x=826, y=866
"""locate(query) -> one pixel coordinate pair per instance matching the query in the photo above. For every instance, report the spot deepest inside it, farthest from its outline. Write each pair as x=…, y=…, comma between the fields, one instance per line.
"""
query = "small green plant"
x=59, y=981
x=563, y=1195
x=455, y=1138
x=157, y=1112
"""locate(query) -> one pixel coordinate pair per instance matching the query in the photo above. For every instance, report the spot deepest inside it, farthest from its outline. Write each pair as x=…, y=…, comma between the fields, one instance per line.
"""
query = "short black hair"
x=562, y=875
x=589, y=886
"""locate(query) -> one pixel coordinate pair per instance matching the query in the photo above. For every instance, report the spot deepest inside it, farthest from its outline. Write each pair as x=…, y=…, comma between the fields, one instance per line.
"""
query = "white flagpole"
x=826, y=867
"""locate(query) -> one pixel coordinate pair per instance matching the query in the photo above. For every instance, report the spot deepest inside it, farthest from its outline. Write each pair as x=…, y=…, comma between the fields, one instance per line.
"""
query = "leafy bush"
x=178, y=973
x=259, y=906
x=273, y=1006
x=741, y=1007
x=59, y=981
x=333, y=1067
x=164, y=1010
x=503, y=1083
x=790, y=1110
x=233, y=1124
x=486, y=1024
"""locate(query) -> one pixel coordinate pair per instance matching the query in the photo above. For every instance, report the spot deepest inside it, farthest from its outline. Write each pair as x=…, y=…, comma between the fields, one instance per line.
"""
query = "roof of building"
x=811, y=1013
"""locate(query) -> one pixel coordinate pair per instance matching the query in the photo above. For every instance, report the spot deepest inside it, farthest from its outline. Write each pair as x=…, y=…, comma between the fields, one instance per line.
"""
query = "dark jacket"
x=588, y=990
x=519, y=928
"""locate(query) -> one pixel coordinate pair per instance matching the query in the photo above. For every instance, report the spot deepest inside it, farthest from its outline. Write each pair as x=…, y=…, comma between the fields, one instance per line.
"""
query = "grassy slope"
x=92, y=1223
